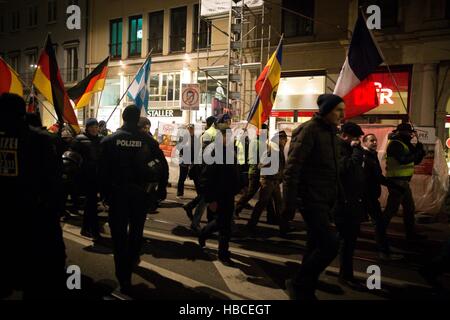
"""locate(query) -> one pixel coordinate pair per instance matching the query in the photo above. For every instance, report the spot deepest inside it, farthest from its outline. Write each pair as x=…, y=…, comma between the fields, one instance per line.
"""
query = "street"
x=173, y=266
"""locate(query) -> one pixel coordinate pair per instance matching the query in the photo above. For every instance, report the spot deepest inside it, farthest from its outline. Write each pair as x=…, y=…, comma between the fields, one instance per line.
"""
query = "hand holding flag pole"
x=128, y=88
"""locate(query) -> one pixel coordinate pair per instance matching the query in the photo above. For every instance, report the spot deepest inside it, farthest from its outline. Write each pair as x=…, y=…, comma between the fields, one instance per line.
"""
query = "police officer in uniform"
x=30, y=232
x=124, y=173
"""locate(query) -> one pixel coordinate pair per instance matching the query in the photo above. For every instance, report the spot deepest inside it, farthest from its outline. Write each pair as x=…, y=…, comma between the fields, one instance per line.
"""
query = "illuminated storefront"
x=298, y=92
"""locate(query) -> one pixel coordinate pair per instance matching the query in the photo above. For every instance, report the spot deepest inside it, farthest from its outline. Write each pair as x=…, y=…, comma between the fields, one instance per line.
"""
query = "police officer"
x=29, y=229
x=124, y=173
x=88, y=146
x=401, y=156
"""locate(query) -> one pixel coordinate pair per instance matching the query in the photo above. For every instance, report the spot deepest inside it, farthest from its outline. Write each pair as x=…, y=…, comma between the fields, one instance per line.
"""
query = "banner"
x=218, y=7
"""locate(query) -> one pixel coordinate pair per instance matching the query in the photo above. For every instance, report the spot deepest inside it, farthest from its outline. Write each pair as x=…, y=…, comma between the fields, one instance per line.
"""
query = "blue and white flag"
x=138, y=90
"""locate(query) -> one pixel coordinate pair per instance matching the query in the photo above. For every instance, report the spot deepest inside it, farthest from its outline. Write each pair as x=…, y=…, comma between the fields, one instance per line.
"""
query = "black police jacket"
x=124, y=159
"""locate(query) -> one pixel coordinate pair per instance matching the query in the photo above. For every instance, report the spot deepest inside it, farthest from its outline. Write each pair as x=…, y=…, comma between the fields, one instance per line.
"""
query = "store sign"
x=378, y=90
x=169, y=113
x=217, y=7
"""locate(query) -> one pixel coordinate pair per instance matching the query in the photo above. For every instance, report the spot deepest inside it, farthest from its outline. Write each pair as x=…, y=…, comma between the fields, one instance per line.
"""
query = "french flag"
x=363, y=58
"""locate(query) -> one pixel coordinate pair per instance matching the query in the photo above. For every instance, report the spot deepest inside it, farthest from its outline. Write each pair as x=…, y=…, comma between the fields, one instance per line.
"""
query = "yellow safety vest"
x=396, y=169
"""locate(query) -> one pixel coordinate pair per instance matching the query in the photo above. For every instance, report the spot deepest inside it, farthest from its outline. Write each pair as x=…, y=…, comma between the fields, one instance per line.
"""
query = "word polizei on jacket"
x=129, y=143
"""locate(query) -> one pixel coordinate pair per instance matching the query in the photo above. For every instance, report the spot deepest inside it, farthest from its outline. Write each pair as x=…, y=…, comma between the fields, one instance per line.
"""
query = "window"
x=72, y=2
x=14, y=61
x=2, y=24
x=389, y=11
x=32, y=16
x=294, y=25
x=165, y=86
x=156, y=31
x=205, y=31
x=447, y=9
x=51, y=11
x=135, y=36
x=71, y=64
x=31, y=60
x=178, y=29
x=15, y=19
x=115, y=41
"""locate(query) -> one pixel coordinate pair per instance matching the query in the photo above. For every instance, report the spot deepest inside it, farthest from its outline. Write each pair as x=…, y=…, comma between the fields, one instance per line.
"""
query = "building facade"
x=414, y=38
x=24, y=25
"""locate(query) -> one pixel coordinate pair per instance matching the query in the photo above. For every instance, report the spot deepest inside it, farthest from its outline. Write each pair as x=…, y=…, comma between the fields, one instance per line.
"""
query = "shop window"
x=178, y=29
x=202, y=38
x=115, y=44
x=165, y=86
x=389, y=11
x=156, y=31
x=294, y=25
x=135, y=36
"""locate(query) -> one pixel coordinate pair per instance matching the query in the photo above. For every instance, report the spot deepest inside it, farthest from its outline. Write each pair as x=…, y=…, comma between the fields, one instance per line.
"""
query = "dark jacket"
x=416, y=153
x=124, y=159
x=353, y=182
x=89, y=149
x=312, y=166
x=373, y=175
x=220, y=182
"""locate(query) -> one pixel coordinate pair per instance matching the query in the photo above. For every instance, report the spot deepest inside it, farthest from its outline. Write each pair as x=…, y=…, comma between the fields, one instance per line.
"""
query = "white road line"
x=237, y=282
x=248, y=253
x=71, y=233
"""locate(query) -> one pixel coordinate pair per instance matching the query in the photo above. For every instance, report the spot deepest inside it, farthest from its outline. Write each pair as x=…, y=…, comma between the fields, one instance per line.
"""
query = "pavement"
x=173, y=266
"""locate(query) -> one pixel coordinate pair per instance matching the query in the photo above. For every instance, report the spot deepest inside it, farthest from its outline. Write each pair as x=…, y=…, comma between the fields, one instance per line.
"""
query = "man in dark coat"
x=88, y=146
x=311, y=178
x=372, y=192
x=220, y=182
x=350, y=210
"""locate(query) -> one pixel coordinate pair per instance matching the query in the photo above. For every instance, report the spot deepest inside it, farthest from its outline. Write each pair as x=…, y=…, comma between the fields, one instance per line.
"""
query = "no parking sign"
x=190, y=97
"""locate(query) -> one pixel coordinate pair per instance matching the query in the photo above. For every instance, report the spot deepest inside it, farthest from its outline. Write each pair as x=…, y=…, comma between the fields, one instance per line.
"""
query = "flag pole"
x=264, y=82
x=128, y=88
x=28, y=87
x=394, y=81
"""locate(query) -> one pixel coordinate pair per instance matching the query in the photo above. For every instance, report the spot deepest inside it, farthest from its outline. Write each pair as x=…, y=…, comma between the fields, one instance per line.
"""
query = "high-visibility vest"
x=240, y=152
x=396, y=169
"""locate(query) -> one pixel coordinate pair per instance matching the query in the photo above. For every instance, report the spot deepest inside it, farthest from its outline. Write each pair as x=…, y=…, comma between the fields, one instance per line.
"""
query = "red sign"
x=377, y=89
x=287, y=114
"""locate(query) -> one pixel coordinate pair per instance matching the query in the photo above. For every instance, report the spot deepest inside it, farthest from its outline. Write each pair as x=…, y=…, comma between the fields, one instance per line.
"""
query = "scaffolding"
x=247, y=49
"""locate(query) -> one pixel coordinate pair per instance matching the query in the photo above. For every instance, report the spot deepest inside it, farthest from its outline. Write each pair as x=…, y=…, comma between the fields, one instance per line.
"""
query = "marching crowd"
x=331, y=175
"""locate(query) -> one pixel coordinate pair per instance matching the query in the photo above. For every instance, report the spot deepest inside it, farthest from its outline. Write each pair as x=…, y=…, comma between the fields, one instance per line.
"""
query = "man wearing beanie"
x=87, y=145
x=311, y=183
x=350, y=210
x=124, y=174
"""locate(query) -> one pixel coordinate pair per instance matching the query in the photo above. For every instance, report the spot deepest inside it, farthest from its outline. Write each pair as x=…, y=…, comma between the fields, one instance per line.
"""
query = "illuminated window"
x=135, y=36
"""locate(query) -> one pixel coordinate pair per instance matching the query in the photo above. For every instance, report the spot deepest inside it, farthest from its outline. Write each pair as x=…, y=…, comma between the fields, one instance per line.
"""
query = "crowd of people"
x=331, y=175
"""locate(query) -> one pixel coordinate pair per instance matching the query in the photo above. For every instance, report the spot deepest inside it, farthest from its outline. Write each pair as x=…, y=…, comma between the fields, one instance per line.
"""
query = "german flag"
x=9, y=80
x=266, y=89
x=48, y=81
x=81, y=94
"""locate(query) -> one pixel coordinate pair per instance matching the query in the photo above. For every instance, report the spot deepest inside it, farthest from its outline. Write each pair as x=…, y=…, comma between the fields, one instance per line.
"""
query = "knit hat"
x=404, y=127
x=91, y=122
x=327, y=102
x=131, y=114
x=352, y=129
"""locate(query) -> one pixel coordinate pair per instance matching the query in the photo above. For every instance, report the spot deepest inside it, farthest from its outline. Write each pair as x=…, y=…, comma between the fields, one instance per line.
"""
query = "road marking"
x=248, y=253
x=237, y=281
x=71, y=233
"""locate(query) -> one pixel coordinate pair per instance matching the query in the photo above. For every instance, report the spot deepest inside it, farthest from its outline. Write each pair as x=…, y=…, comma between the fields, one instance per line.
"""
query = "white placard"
x=217, y=7
x=426, y=135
